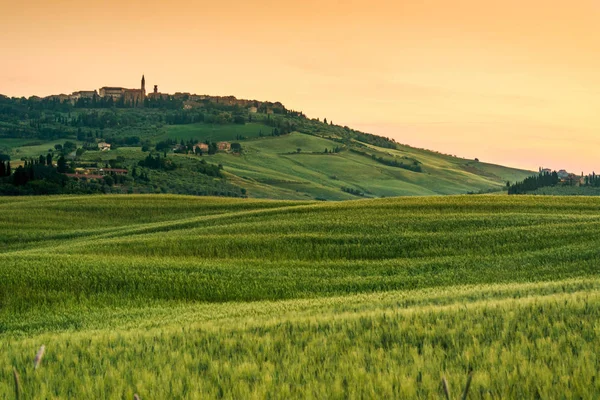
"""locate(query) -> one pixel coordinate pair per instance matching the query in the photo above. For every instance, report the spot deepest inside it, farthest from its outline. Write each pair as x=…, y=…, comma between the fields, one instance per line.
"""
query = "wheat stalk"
x=446, y=389
x=467, y=386
x=38, y=357
x=136, y=397
x=17, y=384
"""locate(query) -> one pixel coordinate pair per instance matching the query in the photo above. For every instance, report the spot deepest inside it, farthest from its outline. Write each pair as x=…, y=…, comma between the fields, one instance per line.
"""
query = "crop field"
x=186, y=297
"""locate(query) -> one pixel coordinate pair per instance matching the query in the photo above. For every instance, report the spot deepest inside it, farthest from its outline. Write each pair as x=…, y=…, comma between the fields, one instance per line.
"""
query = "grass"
x=183, y=297
x=273, y=161
x=28, y=148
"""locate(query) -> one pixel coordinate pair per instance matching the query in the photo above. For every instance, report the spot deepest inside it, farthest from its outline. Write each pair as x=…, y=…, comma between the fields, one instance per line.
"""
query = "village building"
x=114, y=92
x=60, y=97
x=181, y=96
x=84, y=94
x=253, y=110
x=156, y=95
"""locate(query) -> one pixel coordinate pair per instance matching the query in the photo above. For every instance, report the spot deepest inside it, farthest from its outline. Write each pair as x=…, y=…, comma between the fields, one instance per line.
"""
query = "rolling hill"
x=284, y=156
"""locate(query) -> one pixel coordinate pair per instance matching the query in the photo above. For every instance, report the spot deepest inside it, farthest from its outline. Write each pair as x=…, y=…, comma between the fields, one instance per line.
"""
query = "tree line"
x=414, y=166
x=532, y=183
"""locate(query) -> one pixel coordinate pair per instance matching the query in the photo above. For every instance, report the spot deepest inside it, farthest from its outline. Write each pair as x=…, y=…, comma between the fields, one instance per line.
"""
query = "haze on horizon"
x=513, y=82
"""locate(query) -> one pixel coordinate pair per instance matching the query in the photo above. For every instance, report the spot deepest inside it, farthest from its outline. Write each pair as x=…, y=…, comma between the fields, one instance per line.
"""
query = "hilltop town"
x=140, y=98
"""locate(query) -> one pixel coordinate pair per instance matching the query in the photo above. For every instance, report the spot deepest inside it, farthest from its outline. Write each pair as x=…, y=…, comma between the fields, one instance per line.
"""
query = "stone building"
x=84, y=94
x=114, y=92
x=157, y=95
x=134, y=96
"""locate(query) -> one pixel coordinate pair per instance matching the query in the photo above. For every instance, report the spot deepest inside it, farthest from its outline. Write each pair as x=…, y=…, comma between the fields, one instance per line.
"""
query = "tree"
x=49, y=160
x=109, y=180
x=2, y=169
x=61, y=165
x=69, y=147
x=42, y=160
x=298, y=150
x=58, y=147
x=8, y=171
x=20, y=177
x=236, y=147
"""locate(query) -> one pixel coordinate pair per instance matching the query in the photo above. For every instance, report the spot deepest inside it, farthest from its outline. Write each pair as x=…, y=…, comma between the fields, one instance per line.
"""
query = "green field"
x=186, y=297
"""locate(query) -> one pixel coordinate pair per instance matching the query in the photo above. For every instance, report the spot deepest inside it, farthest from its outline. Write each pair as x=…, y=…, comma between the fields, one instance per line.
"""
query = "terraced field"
x=182, y=297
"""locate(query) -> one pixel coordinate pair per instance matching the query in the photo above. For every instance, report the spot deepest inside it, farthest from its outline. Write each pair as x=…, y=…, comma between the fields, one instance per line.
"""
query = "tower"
x=143, y=87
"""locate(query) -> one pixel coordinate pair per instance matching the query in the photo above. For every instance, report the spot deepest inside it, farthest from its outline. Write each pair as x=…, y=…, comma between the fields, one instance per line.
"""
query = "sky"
x=509, y=82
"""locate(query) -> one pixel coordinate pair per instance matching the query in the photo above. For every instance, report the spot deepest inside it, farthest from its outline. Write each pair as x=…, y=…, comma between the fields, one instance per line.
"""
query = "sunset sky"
x=511, y=82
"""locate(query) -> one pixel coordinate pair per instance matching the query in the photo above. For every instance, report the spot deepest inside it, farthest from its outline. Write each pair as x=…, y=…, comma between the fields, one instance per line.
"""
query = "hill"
x=187, y=297
x=283, y=154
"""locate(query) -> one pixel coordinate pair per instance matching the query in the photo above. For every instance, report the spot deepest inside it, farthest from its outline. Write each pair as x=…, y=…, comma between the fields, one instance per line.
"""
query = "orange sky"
x=511, y=82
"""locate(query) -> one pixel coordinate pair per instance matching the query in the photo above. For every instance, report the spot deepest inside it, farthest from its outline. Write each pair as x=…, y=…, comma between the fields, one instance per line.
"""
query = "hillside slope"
x=284, y=156
x=312, y=173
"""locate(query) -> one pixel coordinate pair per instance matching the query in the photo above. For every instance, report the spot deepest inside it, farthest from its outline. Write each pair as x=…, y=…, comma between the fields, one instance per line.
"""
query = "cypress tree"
x=62, y=165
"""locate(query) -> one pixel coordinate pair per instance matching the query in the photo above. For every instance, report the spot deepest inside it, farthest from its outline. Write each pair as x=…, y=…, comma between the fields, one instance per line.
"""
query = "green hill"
x=188, y=297
x=284, y=155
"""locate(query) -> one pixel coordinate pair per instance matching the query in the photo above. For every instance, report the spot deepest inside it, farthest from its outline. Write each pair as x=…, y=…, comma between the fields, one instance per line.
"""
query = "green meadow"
x=199, y=297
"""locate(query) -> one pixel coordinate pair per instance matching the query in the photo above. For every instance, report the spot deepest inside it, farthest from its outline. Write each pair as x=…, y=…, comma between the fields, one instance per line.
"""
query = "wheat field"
x=183, y=297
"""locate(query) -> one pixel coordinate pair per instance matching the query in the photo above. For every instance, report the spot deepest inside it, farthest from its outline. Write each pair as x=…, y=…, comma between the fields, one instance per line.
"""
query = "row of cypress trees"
x=5, y=169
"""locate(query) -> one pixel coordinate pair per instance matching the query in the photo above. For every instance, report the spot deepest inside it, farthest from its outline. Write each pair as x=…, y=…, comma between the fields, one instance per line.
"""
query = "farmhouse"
x=103, y=146
x=202, y=146
x=224, y=146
